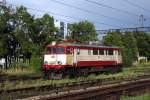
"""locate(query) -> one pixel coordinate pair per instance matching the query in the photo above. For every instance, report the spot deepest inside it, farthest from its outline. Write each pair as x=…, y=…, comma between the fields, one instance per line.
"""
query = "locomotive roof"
x=82, y=46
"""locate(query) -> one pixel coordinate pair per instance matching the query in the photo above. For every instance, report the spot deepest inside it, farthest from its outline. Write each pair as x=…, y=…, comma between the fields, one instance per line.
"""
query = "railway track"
x=112, y=92
x=4, y=78
x=64, y=88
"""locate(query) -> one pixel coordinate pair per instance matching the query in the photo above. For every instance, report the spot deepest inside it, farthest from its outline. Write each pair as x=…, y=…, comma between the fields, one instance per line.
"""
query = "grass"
x=34, y=83
x=22, y=69
x=127, y=73
x=18, y=72
x=142, y=97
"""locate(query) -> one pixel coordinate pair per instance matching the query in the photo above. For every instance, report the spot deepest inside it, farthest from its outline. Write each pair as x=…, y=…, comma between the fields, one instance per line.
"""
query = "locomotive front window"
x=55, y=50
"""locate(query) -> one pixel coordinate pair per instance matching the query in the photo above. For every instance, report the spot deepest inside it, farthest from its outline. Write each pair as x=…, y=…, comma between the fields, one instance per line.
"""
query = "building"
x=63, y=28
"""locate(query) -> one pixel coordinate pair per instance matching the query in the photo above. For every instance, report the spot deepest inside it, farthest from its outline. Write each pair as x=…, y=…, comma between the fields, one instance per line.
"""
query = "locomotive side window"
x=110, y=52
x=78, y=51
x=101, y=52
x=95, y=52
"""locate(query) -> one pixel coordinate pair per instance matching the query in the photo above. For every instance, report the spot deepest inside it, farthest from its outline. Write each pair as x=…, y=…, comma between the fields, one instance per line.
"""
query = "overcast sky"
x=92, y=12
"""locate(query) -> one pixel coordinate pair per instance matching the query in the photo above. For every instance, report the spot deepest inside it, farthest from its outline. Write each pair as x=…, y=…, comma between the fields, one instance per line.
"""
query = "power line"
x=43, y=11
x=117, y=9
x=75, y=7
x=135, y=5
x=76, y=18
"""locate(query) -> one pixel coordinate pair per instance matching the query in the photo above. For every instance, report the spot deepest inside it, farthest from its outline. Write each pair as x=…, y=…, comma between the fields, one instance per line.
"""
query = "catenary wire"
x=110, y=7
x=84, y=10
x=135, y=5
x=71, y=17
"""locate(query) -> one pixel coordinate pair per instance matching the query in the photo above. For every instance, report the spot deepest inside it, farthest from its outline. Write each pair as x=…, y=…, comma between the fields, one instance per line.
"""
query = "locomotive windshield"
x=55, y=50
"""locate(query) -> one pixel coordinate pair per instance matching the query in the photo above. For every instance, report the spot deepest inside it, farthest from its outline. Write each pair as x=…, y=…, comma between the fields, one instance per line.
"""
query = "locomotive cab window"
x=110, y=52
x=95, y=52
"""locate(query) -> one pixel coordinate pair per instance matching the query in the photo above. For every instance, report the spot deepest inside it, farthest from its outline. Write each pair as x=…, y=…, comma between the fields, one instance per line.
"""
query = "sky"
x=101, y=17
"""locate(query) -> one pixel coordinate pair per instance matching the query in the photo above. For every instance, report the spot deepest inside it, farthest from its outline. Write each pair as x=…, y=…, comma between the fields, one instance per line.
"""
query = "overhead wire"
x=110, y=7
x=71, y=17
x=136, y=5
x=91, y=12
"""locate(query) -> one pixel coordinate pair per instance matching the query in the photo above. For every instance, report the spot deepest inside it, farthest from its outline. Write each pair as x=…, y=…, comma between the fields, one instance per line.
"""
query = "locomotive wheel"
x=58, y=76
x=49, y=74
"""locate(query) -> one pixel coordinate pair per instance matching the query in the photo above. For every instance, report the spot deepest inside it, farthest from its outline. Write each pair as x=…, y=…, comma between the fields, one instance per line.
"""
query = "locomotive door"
x=69, y=56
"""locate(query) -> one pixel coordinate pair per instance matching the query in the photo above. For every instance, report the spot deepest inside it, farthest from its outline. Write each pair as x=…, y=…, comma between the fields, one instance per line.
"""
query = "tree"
x=21, y=35
x=130, y=48
x=130, y=43
x=45, y=29
x=125, y=41
x=143, y=43
x=6, y=38
x=23, y=23
x=113, y=39
x=83, y=31
x=5, y=27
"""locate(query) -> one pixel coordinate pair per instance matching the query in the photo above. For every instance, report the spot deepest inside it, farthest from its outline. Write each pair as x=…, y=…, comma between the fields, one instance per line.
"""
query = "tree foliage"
x=83, y=31
x=113, y=38
x=23, y=23
x=5, y=29
x=143, y=43
x=130, y=48
x=46, y=29
x=22, y=34
x=125, y=41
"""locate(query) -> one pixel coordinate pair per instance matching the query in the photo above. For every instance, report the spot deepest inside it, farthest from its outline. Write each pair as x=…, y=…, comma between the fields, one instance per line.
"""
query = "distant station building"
x=63, y=28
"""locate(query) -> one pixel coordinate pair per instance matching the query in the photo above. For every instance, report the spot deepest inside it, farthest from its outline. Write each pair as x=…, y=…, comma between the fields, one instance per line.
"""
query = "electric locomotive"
x=69, y=59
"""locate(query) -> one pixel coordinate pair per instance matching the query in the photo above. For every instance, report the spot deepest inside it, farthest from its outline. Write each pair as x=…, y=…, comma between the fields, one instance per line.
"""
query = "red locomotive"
x=73, y=59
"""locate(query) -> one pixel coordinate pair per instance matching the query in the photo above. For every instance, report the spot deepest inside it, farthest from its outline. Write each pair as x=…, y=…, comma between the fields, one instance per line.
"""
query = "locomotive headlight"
x=59, y=62
x=45, y=62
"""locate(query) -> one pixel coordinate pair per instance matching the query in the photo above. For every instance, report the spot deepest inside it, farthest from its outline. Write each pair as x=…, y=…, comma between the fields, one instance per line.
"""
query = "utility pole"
x=142, y=19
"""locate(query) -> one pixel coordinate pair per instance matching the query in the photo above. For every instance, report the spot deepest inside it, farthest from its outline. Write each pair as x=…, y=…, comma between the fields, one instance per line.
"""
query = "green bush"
x=35, y=63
